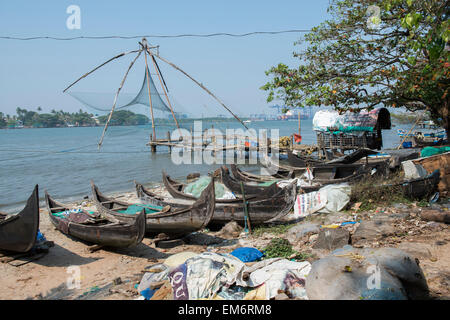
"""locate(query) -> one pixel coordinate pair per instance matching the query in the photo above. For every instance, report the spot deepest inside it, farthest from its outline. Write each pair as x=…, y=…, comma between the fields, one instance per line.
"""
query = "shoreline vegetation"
x=26, y=119
x=407, y=117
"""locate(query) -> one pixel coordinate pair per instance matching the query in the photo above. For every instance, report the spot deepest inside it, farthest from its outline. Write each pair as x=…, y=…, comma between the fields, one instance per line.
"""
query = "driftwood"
x=95, y=248
x=436, y=215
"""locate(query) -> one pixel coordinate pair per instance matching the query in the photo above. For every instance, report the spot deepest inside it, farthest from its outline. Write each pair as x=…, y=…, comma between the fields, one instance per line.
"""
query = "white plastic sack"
x=280, y=274
x=228, y=195
x=413, y=171
x=338, y=195
x=324, y=119
x=330, y=198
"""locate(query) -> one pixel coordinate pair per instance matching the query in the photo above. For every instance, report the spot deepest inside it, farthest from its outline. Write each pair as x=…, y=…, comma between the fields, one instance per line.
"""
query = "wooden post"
x=115, y=99
x=149, y=93
x=168, y=140
x=164, y=89
x=152, y=143
x=246, y=215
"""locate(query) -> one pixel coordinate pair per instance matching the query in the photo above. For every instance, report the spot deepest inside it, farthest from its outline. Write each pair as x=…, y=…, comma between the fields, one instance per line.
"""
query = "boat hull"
x=18, y=232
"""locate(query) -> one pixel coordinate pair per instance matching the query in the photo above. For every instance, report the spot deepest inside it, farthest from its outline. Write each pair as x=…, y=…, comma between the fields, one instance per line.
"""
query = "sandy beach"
x=114, y=273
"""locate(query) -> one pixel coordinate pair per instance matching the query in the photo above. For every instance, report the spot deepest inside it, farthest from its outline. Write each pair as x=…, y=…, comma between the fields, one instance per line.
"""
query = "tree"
x=389, y=52
x=3, y=121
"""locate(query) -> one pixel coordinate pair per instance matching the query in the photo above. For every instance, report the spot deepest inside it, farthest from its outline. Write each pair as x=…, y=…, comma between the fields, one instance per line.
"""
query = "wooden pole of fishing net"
x=164, y=89
x=201, y=86
x=96, y=68
x=149, y=93
x=115, y=98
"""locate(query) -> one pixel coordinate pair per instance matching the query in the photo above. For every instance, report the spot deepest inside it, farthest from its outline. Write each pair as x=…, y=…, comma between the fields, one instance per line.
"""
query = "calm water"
x=64, y=160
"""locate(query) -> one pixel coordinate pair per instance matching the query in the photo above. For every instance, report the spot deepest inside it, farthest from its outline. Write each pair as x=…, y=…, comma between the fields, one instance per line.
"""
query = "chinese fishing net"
x=102, y=102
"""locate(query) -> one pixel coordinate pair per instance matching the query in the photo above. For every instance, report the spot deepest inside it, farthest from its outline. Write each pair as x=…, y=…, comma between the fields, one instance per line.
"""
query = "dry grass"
x=374, y=192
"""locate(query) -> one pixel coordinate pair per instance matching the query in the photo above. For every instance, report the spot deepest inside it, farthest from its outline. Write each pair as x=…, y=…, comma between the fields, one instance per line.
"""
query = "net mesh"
x=103, y=101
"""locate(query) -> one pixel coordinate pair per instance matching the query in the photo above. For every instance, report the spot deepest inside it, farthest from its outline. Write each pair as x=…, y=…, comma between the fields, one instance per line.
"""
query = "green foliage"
x=354, y=61
x=278, y=247
x=282, y=248
x=125, y=117
x=3, y=121
x=46, y=120
x=405, y=118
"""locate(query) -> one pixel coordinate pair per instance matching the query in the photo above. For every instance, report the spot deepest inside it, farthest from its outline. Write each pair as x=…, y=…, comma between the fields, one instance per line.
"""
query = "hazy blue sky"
x=34, y=73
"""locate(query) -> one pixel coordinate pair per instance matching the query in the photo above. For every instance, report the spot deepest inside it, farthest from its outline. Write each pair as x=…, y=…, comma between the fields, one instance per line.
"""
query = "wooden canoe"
x=91, y=227
x=18, y=232
x=332, y=172
x=421, y=187
x=240, y=175
x=260, y=210
x=172, y=220
x=176, y=190
x=255, y=188
x=304, y=161
x=358, y=174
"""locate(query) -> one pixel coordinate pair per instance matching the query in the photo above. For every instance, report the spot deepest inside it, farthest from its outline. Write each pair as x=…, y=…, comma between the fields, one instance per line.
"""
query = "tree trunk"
x=441, y=112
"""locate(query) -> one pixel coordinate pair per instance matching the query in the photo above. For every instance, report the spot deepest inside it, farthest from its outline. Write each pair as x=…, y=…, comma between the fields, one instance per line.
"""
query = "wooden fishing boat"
x=421, y=187
x=18, y=232
x=329, y=172
x=171, y=219
x=316, y=183
x=240, y=175
x=260, y=210
x=261, y=189
x=304, y=161
x=91, y=227
x=250, y=188
x=176, y=190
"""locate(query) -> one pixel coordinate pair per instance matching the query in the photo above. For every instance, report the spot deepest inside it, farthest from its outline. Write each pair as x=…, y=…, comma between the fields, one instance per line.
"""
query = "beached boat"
x=304, y=161
x=260, y=210
x=331, y=171
x=18, y=232
x=172, y=219
x=301, y=160
x=321, y=176
x=316, y=183
x=91, y=227
x=421, y=187
x=265, y=189
x=176, y=190
x=240, y=175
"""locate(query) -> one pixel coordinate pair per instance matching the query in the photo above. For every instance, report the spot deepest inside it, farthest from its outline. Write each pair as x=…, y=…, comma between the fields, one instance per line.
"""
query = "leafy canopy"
x=390, y=52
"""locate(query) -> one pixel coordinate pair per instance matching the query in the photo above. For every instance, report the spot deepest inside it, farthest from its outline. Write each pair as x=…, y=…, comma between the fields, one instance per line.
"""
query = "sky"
x=34, y=73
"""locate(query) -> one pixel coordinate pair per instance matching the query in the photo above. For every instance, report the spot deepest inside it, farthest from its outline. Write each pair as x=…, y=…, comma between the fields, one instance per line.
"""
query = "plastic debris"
x=246, y=254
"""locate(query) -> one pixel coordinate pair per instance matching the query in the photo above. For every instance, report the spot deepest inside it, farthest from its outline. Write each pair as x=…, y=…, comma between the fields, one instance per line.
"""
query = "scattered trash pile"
x=245, y=274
